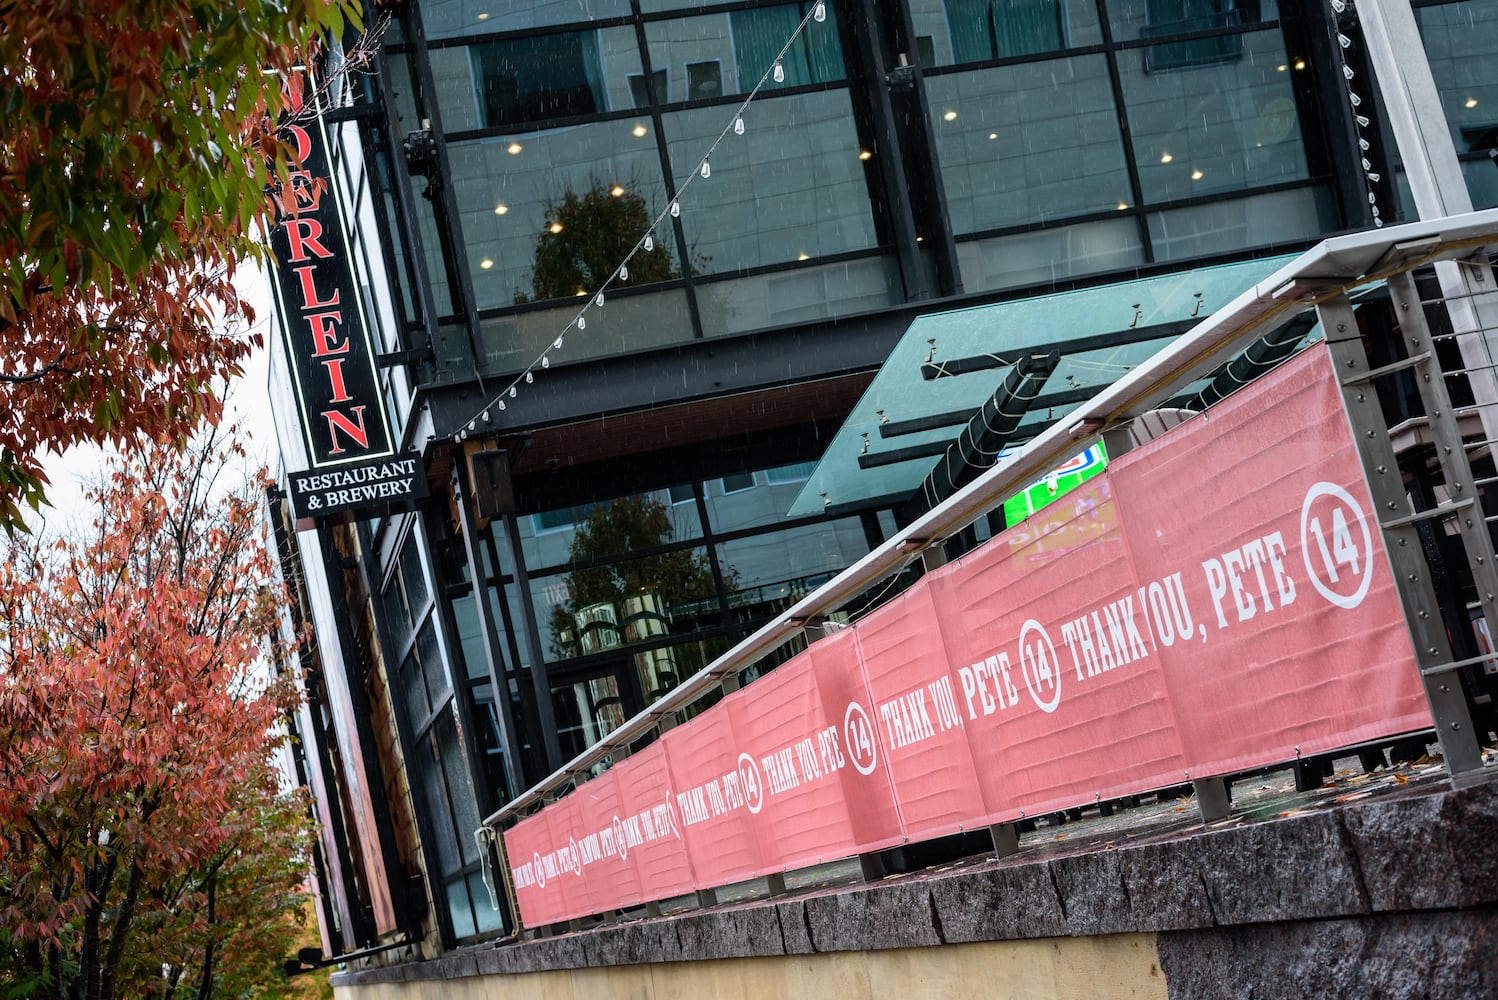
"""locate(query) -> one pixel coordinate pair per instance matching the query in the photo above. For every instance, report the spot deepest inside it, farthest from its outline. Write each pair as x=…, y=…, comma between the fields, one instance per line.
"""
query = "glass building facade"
x=502, y=160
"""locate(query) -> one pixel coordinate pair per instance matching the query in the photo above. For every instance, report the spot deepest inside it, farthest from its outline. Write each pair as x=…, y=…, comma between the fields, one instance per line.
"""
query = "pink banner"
x=1218, y=600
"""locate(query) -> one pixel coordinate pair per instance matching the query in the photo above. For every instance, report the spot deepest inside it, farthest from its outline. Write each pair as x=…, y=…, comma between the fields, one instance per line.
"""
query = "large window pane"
x=1461, y=40
x=799, y=295
x=1028, y=143
x=1224, y=126
x=450, y=18
x=958, y=31
x=1048, y=255
x=628, y=323
x=459, y=787
x=791, y=188
x=548, y=213
x=1132, y=19
x=608, y=527
x=535, y=78
x=586, y=712
x=1217, y=227
x=773, y=570
x=619, y=604
x=701, y=58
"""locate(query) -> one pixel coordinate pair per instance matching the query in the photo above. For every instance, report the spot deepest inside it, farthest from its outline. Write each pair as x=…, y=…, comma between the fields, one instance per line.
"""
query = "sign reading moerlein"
x=328, y=344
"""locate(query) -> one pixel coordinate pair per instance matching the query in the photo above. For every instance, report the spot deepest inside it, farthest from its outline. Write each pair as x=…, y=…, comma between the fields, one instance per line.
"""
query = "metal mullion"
x=663, y=154
x=416, y=254
x=1125, y=135
x=520, y=34
x=1402, y=544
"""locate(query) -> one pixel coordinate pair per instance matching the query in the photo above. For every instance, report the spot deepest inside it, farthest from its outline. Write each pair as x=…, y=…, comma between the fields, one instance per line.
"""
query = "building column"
x=1418, y=122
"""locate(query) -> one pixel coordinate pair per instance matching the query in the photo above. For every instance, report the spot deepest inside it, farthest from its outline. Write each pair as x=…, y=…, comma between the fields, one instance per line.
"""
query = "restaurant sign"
x=328, y=343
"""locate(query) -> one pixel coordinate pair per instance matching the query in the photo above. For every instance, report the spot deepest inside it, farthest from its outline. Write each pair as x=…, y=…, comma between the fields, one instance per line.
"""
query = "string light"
x=1344, y=43
x=776, y=71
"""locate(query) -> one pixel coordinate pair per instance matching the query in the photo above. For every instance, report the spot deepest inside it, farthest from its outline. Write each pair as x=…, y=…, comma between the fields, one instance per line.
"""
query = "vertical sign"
x=328, y=343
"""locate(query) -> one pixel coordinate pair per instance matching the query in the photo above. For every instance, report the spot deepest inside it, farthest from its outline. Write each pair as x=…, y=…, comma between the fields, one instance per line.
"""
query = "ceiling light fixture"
x=514, y=148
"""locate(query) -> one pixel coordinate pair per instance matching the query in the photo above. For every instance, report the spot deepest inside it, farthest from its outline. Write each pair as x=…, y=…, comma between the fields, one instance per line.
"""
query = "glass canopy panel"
x=899, y=393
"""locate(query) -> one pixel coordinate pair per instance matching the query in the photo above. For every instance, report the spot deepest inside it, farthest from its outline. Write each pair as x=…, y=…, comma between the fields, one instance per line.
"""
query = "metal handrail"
x=1331, y=268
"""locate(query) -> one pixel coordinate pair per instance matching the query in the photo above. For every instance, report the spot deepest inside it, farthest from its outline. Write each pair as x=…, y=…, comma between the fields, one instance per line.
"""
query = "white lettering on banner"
x=1227, y=574
x=1338, y=552
x=780, y=768
x=1165, y=601
x=975, y=682
x=1100, y=644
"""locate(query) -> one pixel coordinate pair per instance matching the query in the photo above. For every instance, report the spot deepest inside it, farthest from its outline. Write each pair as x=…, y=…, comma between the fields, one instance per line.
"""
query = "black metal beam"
x=987, y=362
x=980, y=442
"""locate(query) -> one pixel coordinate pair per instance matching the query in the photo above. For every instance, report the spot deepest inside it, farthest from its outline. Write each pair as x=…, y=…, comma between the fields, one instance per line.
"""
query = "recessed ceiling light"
x=1281, y=68
x=1471, y=102
x=1196, y=175
x=950, y=116
x=1300, y=64
x=483, y=17
x=501, y=209
x=514, y=148
x=554, y=228
x=1123, y=206
x=993, y=135
x=639, y=130
x=920, y=239
x=803, y=256
x=582, y=291
x=486, y=263
x=1166, y=157
x=864, y=154
x=616, y=190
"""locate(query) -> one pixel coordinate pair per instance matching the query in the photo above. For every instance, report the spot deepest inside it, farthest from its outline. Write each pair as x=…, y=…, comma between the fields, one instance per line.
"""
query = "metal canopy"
x=1102, y=334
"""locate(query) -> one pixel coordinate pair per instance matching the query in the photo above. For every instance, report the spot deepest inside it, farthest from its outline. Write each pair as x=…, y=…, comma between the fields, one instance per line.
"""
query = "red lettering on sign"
x=352, y=426
x=325, y=335
x=309, y=289
x=304, y=235
x=335, y=376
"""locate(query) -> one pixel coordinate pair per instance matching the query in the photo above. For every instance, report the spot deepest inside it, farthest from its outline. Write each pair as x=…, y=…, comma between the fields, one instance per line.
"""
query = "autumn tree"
x=136, y=142
x=146, y=848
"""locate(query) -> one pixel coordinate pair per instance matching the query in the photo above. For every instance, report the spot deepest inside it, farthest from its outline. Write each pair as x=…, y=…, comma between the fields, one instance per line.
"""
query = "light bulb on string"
x=512, y=392
x=623, y=272
x=1347, y=72
x=649, y=242
x=1363, y=144
x=545, y=361
x=675, y=209
x=1375, y=178
x=462, y=435
x=598, y=300
x=557, y=344
x=501, y=404
x=487, y=418
x=1343, y=40
x=819, y=12
x=582, y=322
x=1366, y=164
x=1339, y=6
x=738, y=125
x=1363, y=121
x=707, y=171
x=779, y=72
x=473, y=425
x=530, y=376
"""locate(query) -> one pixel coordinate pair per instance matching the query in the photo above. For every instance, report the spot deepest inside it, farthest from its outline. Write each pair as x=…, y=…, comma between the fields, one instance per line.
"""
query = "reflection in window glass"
x=598, y=608
x=606, y=528
x=428, y=783
x=414, y=579
x=662, y=669
x=630, y=323
x=1043, y=256
x=741, y=502
x=1028, y=143
x=549, y=214
x=459, y=787
x=1461, y=40
x=1131, y=19
x=586, y=712
x=431, y=662
x=1259, y=220
x=489, y=919
x=453, y=18
x=536, y=78
x=459, y=909
x=798, y=295
x=708, y=57
x=796, y=191
x=1214, y=128
x=773, y=570
x=958, y=31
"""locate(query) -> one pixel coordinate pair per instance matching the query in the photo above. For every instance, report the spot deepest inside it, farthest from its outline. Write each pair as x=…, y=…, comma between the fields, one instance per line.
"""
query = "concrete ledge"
x=1418, y=853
